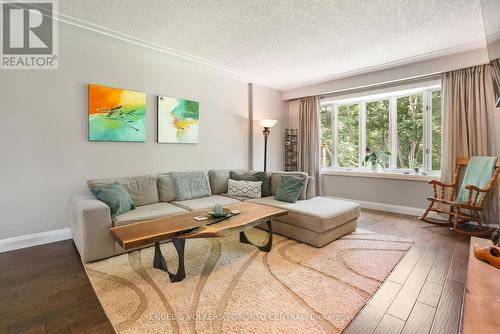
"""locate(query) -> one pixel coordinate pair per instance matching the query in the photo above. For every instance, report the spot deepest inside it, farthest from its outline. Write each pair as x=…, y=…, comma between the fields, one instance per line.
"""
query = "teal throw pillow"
x=116, y=197
x=259, y=176
x=290, y=188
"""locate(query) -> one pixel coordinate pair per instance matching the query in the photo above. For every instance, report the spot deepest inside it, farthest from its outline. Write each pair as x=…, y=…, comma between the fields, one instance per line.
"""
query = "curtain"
x=467, y=120
x=309, y=139
x=495, y=73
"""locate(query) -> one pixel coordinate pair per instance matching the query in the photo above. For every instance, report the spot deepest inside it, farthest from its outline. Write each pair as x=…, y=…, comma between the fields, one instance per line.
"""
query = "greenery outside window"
x=390, y=132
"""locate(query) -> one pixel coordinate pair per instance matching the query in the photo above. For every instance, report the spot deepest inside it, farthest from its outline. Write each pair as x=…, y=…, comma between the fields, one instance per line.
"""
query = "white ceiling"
x=285, y=44
x=491, y=16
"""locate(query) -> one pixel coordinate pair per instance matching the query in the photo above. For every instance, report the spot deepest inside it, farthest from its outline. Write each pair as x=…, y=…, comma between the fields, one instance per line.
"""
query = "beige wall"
x=267, y=104
x=45, y=154
x=386, y=191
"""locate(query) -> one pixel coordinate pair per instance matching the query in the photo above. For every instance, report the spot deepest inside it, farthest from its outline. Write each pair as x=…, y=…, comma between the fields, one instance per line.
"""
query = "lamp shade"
x=268, y=123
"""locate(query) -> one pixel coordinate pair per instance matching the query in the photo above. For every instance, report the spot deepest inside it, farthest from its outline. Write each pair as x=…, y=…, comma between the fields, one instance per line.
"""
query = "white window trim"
x=356, y=172
x=392, y=171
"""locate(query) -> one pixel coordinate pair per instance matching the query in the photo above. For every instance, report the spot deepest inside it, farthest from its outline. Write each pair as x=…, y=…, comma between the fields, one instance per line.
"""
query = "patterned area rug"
x=232, y=287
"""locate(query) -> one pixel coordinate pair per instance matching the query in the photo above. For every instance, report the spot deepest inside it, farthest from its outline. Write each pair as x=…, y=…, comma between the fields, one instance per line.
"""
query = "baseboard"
x=34, y=239
x=405, y=210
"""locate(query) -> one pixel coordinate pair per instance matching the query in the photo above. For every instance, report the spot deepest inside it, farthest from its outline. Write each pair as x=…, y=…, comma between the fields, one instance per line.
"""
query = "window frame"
x=392, y=97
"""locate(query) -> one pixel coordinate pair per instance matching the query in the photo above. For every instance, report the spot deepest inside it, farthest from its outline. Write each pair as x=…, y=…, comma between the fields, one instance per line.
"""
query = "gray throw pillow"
x=259, y=176
x=116, y=197
x=190, y=185
x=290, y=188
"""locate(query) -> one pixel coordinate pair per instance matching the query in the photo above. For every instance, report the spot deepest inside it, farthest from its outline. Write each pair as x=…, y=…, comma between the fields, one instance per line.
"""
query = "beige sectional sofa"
x=313, y=220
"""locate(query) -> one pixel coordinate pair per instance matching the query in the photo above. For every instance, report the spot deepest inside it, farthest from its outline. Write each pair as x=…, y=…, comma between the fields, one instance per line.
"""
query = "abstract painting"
x=178, y=120
x=116, y=114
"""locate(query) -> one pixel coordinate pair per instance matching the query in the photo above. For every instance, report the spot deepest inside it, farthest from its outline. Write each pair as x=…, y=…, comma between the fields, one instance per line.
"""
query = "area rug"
x=231, y=287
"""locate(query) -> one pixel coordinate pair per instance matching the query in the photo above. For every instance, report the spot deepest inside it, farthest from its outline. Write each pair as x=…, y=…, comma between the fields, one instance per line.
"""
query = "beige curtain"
x=467, y=120
x=495, y=73
x=309, y=139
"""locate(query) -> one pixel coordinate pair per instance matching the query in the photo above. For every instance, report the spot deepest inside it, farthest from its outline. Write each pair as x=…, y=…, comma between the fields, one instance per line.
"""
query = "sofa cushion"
x=147, y=212
x=276, y=179
x=116, y=197
x=264, y=177
x=290, y=188
x=190, y=185
x=218, y=179
x=142, y=189
x=239, y=198
x=318, y=214
x=166, y=188
x=250, y=189
x=205, y=202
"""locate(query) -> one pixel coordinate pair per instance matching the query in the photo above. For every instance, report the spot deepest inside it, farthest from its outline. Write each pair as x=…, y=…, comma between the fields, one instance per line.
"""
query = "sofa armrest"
x=90, y=223
x=311, y=188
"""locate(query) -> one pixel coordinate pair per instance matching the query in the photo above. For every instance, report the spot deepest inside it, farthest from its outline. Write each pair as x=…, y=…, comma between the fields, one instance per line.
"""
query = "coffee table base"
x=265, y=248
x=179, y=244
x=160, y=263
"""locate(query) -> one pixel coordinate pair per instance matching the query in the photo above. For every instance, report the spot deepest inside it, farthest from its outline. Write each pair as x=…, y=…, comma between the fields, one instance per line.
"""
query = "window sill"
x=380, y=175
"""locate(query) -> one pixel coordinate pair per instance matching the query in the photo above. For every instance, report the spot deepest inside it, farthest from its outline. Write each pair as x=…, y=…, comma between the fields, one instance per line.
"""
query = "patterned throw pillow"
x=258, y=176
x=250, y=189
x=191, y=185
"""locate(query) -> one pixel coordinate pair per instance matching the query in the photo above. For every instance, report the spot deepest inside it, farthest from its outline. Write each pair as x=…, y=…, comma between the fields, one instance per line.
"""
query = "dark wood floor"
x=44, y=289
x=424, y=292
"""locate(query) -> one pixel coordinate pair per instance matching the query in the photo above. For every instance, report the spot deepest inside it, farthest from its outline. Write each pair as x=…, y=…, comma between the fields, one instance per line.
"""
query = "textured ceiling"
x=491, y=15
x=284, y=44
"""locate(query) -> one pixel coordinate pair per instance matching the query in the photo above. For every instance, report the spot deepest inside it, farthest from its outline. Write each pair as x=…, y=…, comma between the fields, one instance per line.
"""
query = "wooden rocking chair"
x=460, y=214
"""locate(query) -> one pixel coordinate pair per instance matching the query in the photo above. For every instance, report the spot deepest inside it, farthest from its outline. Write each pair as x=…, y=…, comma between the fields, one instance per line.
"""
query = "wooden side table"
x=481, y=309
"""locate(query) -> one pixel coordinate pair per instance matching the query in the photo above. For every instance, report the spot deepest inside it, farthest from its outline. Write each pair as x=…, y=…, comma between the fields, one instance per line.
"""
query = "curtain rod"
x=434, y=76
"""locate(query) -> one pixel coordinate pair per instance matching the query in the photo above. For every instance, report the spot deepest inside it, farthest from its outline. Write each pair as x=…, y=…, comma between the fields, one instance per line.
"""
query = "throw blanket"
x=190, y=185
x=478, y=173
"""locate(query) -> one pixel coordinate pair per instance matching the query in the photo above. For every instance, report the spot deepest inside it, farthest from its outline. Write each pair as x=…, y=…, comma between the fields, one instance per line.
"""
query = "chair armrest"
x=440, y=193
x=441, y=184
x=471, y=188
x=475, y=199
x=90, y=223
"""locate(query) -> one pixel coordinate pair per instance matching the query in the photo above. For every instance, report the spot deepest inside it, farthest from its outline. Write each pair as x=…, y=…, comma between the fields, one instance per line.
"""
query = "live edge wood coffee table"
x=180, y=227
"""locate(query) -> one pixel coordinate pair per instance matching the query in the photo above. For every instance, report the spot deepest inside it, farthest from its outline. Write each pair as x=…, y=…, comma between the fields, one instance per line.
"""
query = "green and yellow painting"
x=116, y=114
x=178, y=120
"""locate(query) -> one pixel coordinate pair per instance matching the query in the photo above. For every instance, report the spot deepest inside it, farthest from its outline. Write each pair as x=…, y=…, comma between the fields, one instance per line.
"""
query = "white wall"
x=45, y=154
x=267, y=104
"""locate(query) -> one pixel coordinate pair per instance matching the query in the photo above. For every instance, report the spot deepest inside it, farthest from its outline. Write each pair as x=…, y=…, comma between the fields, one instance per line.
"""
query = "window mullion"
x=393, y=118
x=426, y=130
x=335, y=135
x=362, y=132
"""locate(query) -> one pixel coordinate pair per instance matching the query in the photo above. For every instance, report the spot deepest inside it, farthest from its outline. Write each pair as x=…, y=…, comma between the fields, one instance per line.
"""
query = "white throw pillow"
x=250, y=189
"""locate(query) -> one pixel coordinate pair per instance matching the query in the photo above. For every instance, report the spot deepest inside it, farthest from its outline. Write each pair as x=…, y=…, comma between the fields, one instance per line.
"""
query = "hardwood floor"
x=424, y=292
x=44, y=289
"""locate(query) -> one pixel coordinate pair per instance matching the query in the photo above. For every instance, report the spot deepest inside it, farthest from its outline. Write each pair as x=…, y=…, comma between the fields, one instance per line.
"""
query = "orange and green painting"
x=178, y=120
x=116, y=114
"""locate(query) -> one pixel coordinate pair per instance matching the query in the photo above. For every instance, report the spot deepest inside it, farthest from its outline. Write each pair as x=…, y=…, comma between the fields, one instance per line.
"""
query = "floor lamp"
x=267, y=124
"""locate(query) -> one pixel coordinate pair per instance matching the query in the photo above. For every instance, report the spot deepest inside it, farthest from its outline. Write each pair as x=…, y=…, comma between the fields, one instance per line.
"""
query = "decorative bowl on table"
x=225, y=212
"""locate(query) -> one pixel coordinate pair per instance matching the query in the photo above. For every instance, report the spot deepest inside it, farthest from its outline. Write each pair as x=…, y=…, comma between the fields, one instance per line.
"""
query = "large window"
x=402, y=129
